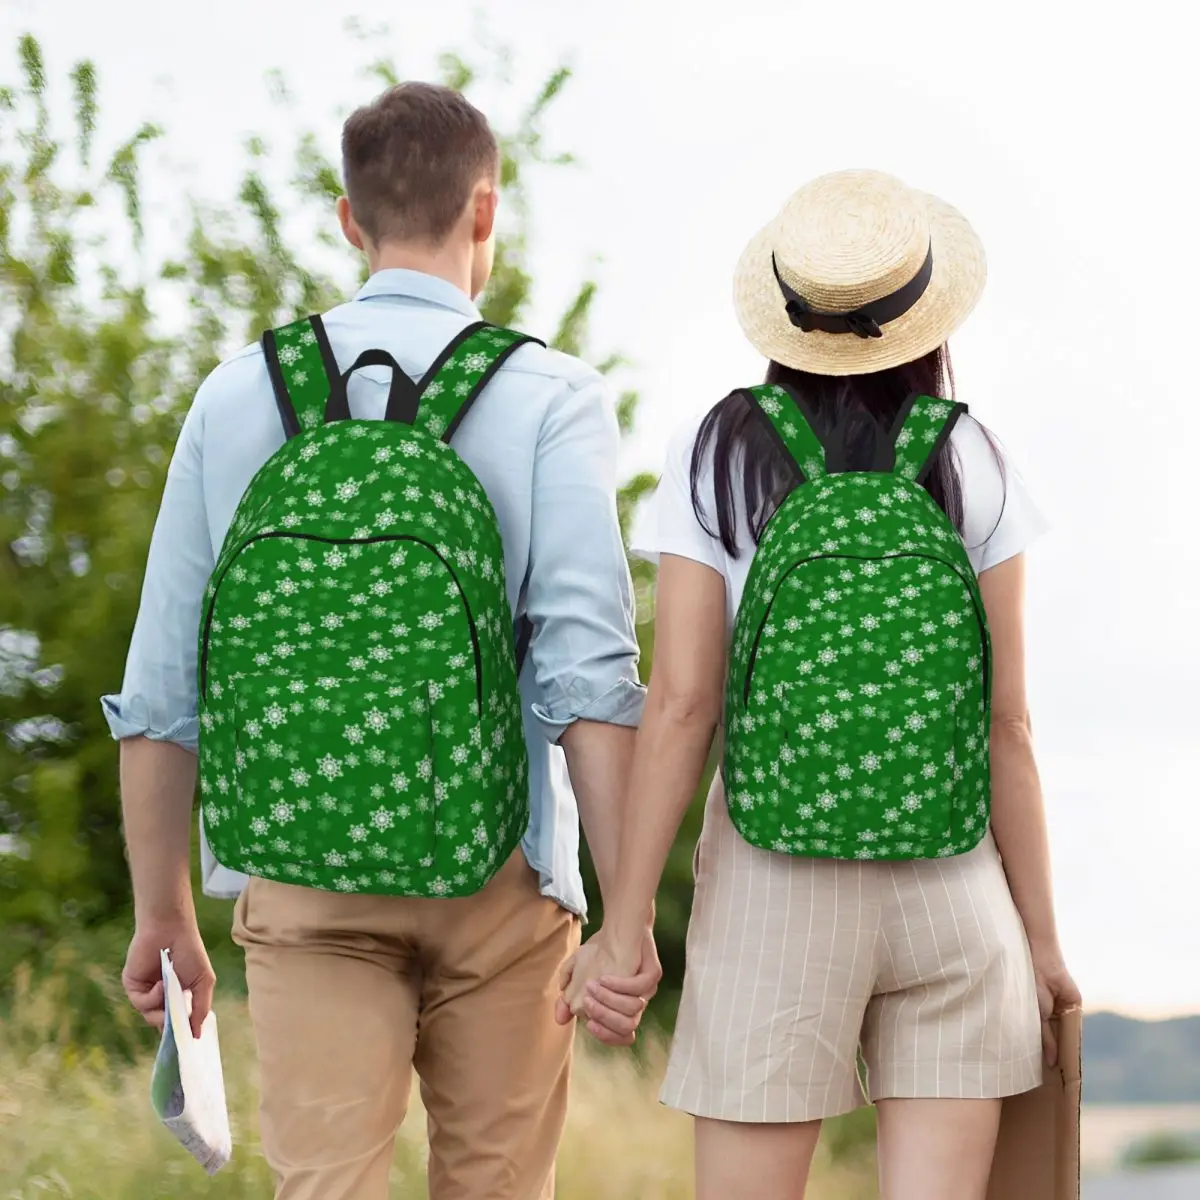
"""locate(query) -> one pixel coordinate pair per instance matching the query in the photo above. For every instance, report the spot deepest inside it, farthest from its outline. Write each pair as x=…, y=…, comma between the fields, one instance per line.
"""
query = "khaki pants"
x=349, y=993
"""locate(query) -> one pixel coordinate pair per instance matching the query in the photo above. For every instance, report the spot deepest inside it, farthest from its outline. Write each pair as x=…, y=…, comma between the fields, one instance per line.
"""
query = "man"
x=349, y=992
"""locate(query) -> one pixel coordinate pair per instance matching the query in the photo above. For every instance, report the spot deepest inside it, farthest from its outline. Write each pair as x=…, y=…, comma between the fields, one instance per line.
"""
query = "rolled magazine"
x=187, y=1087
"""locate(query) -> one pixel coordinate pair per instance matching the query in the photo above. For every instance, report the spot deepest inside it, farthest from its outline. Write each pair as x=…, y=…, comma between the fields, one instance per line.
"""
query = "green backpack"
x=360, y=721
x=859, y=694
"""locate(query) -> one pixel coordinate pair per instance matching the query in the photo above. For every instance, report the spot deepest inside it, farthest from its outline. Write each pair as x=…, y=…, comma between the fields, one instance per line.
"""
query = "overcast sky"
x=1064, y=135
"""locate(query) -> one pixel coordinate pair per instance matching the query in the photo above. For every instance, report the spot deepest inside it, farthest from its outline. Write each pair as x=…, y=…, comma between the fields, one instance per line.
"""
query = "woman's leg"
x=736, y=1160
x=936, y=1149
x=954, y=1025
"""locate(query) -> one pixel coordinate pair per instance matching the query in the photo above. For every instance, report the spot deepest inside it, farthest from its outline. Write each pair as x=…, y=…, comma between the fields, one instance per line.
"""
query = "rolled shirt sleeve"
x=579, y=595
x=159, y=695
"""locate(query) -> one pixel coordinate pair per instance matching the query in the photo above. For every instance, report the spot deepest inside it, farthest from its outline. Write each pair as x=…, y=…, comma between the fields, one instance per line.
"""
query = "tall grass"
x=76, y=1122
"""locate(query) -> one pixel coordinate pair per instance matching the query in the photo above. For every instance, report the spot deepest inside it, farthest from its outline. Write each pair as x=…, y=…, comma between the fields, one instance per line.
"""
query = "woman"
x=931, y=958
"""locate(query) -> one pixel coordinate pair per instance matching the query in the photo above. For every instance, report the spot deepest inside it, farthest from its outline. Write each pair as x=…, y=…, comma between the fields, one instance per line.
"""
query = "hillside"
x=1126, y=1061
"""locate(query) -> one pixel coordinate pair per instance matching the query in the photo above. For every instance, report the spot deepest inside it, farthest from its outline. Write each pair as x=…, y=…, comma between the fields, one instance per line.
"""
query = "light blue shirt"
x=543, y=440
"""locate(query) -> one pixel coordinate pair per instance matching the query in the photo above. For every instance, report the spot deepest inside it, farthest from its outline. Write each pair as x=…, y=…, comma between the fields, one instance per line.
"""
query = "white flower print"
x=361, y=629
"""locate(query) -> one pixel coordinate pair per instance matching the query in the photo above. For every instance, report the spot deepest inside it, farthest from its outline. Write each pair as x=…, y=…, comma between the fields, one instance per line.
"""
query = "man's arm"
x=155, y=716
x=585, y=652
x=158, y=780
x=580, y=600
x=598, y=760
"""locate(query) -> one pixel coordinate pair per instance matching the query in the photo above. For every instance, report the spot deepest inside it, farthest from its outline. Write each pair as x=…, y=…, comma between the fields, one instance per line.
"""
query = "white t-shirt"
x=999, y=518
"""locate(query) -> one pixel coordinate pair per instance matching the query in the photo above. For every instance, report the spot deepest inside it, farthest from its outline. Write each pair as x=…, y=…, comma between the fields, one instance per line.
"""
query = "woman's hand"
x=1056, y=993
x=609, y=988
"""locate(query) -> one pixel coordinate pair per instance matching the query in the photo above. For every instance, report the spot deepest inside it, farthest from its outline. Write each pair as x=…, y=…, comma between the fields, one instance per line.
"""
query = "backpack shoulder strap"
x=921, y=429
x=301, y=366
x=452, y=385
x=786, y=416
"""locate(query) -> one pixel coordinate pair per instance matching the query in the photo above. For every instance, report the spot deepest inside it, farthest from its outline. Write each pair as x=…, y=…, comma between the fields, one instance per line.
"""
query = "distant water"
x=1107, y=1131
x=1160, y=1183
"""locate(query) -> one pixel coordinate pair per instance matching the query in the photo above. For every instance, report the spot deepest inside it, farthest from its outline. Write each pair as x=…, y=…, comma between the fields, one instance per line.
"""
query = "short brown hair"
x=410, y=159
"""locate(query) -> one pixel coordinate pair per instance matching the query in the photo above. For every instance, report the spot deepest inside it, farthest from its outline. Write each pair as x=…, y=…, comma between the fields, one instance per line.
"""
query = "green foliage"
x=1162, y=1149
x=850, y=1137
x=93, y=386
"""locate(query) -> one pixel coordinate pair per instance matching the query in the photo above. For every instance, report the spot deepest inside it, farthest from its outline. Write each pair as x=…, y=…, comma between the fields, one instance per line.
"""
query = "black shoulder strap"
x=524, y=635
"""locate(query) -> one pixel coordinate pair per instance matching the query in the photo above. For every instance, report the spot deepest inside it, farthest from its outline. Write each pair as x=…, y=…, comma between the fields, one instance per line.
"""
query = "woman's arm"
x=683, y=708
x=1018, y=815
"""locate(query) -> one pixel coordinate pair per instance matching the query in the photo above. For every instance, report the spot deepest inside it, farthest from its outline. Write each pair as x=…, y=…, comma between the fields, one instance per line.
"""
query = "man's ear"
x=486, y=198
x=350, y=229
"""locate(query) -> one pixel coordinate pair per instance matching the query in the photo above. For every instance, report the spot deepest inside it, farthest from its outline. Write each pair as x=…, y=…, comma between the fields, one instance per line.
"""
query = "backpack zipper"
x=351, y=541
x=980, y=618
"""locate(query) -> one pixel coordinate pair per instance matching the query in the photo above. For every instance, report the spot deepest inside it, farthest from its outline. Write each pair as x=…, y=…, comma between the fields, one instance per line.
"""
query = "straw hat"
x=858, y=273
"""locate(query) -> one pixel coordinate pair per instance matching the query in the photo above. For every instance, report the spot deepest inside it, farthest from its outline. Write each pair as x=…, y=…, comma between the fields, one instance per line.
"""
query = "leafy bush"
x=1163, y=1149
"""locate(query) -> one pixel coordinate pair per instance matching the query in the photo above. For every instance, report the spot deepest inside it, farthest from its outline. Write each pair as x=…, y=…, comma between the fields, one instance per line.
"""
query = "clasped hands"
x=608, y=986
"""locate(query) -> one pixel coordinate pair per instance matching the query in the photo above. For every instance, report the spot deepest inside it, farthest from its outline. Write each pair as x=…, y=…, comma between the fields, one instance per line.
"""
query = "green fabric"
x=858, y=698
x=304, y=372
x=360, y=718
x=919, y=434
x=793, y=429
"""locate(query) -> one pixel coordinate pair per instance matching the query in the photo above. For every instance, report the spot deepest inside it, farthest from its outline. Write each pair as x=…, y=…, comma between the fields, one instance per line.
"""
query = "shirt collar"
x=415, y=285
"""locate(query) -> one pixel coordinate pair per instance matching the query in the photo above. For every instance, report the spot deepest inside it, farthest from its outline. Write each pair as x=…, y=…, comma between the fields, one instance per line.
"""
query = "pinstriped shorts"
x=795, y=966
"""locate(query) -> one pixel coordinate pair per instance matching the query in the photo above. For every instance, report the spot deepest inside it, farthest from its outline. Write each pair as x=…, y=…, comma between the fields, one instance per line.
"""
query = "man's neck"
x=451, y=263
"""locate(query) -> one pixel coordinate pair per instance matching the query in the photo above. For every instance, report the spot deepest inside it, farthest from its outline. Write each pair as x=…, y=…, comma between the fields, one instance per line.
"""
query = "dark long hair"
x=863, y=409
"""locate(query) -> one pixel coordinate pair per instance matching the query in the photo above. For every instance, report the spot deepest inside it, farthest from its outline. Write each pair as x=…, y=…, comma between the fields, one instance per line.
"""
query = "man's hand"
x=142, y=977
x=608, y=989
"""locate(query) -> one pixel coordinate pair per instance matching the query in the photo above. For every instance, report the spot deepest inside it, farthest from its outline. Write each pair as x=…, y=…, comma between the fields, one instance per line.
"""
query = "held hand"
x=1056, y=992
x=142, y=977
x=609, y=989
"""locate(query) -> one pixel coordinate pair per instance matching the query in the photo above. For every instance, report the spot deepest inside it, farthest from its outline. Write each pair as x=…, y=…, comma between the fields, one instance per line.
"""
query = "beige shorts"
x=795, y=965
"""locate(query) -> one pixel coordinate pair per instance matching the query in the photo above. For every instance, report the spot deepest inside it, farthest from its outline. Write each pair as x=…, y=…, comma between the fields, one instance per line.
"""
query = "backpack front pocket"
x=850, y=768
x=334, y=780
